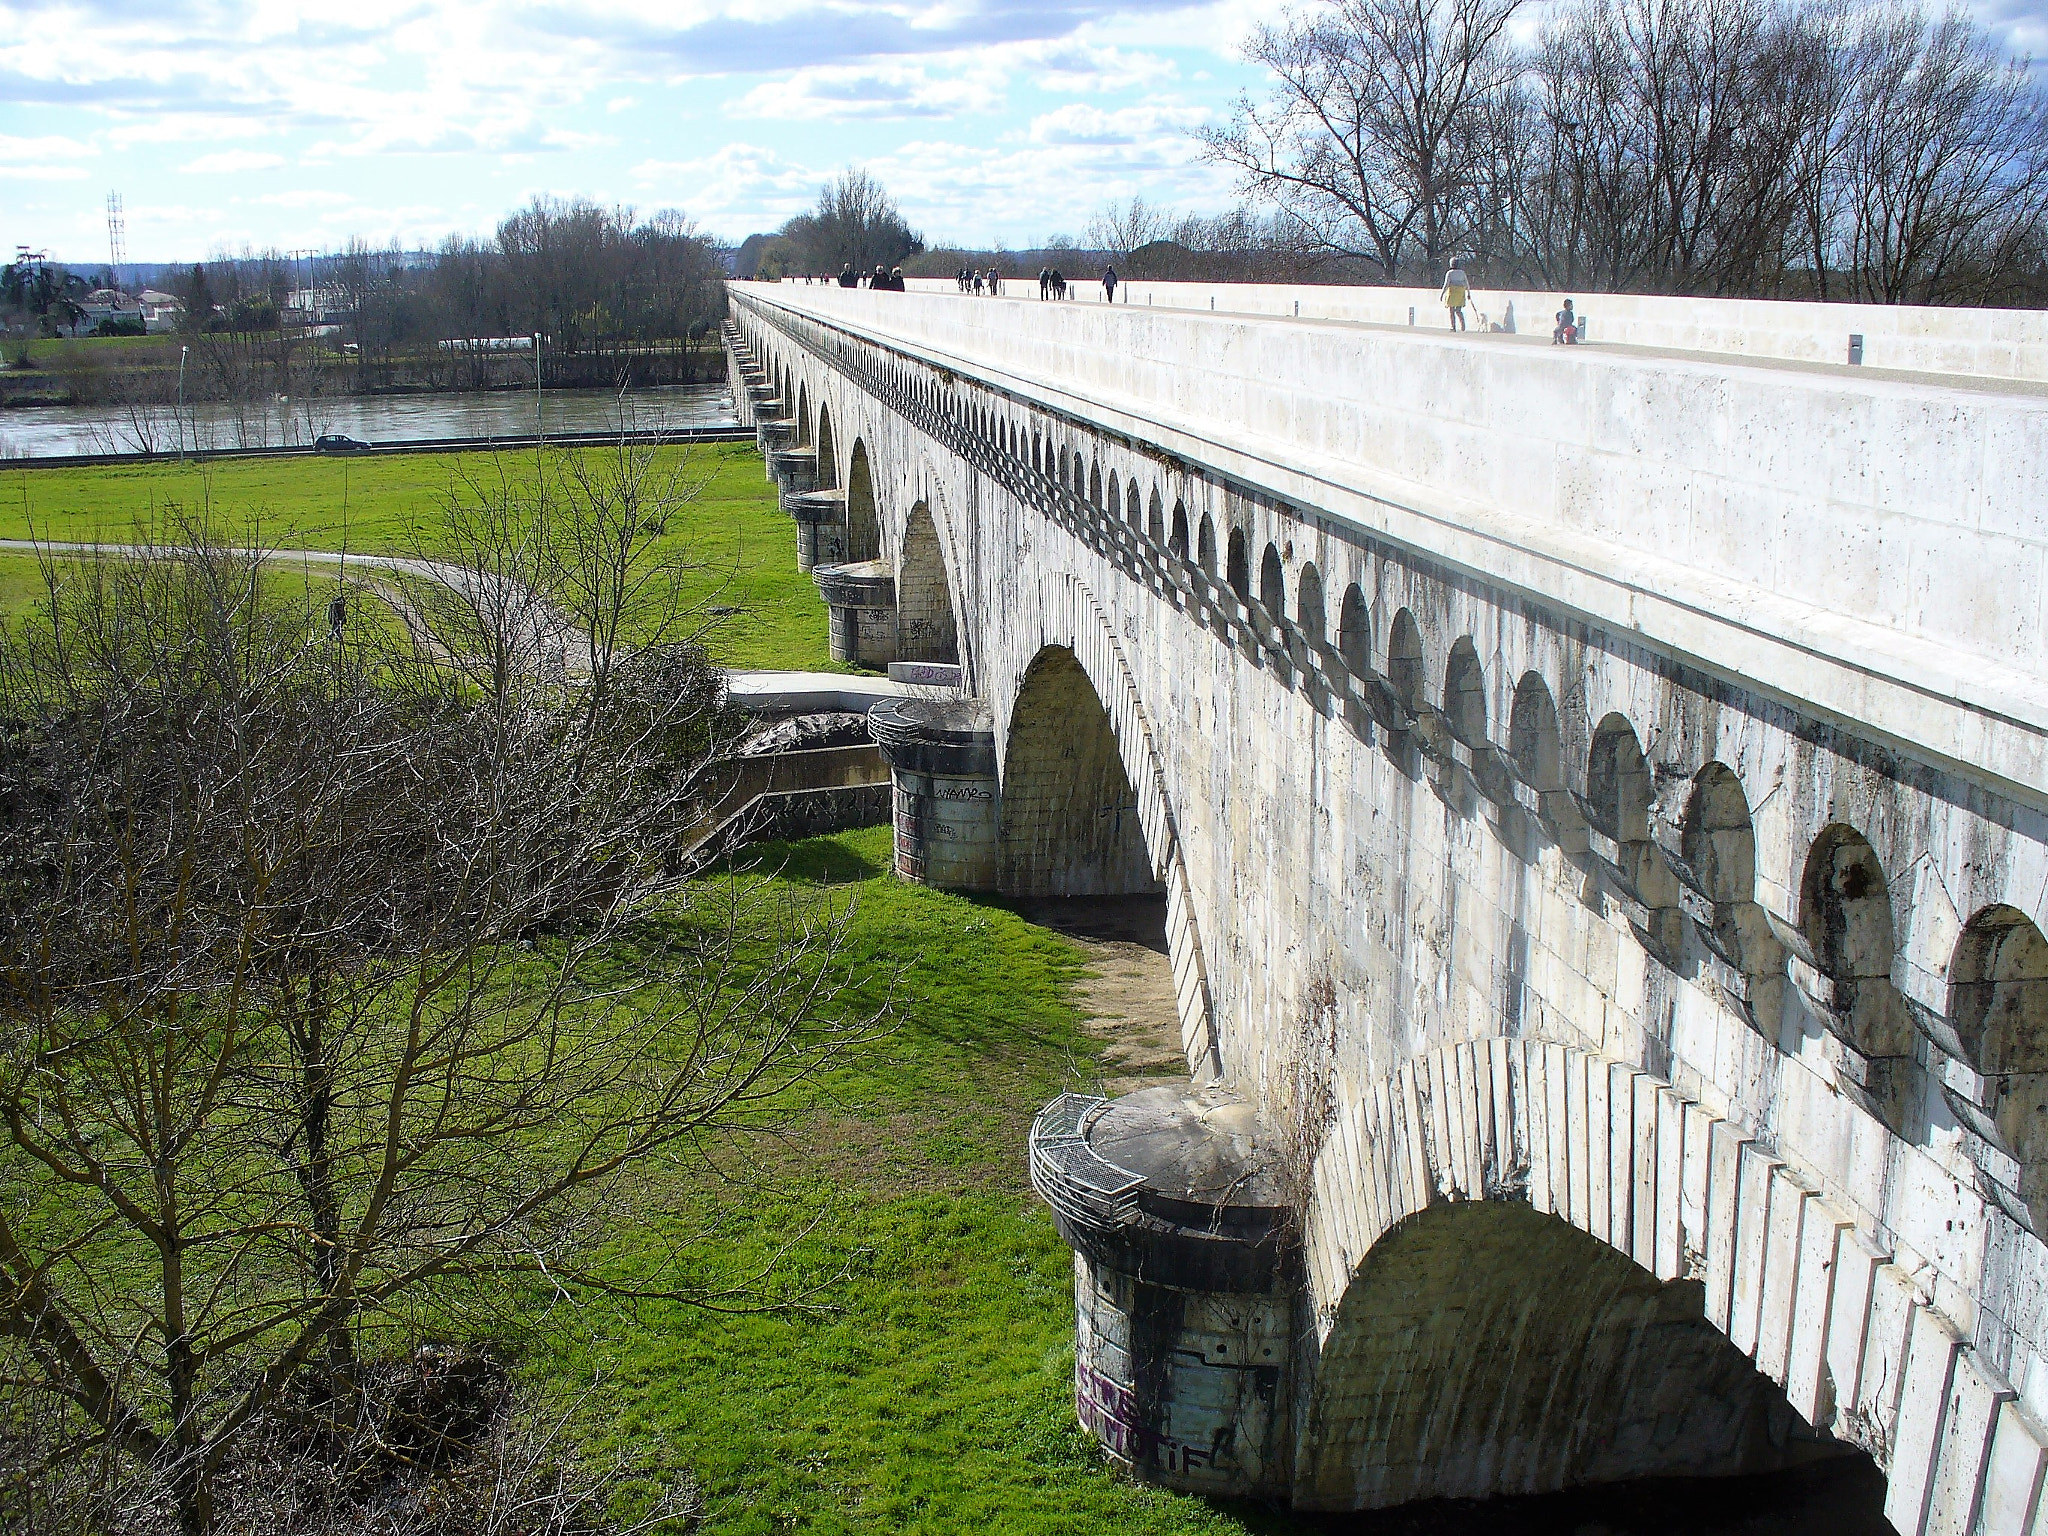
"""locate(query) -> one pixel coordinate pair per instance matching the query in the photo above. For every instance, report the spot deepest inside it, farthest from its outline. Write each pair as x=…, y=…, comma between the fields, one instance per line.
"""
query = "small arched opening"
x=1354, y=632
x=804, y=438
x=1465, y=694
x=1070, y=824
x=1404, y=662
x=1845, y=914
x=1238, y=566
x=1717, y=840
x=1272, y=583
x=1155, y=519
x=863, y=518
x=1534, y=741
x=1205, y=545
x=1998, y=1007
x=1095, y=484
x=925, y=627
x=1114, y=503
x=1177, y=541
x=1308, y=604
x=1134, y=506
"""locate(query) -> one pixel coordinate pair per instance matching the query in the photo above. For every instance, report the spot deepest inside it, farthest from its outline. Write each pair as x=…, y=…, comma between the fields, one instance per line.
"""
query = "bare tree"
x=856, y=223
x=309, y=993
x=1945, y=167
x=1372, y=138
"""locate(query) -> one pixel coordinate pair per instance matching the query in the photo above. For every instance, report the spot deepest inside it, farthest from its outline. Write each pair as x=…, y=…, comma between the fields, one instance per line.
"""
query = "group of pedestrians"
x=882, y=280
x=972, y=280
x=1457, y=293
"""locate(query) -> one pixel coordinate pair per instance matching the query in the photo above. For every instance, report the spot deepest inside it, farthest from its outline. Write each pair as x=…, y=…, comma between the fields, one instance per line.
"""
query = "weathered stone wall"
x=1481, y=809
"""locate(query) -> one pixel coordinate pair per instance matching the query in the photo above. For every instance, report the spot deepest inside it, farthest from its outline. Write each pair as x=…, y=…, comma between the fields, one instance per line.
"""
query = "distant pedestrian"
x=977, y=281
x=1044, y=283
x=995, y=283
x=1456, y=295
x=1567, y=332
x=1109, y=285
x=846, y=277
x=1059, y=284
x=896, y=280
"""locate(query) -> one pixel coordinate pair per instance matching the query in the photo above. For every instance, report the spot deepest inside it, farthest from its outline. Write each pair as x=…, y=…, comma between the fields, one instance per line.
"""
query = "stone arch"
x=863, y=517
x=1080, y=475
x=1308, y=604
x=1354, y=632
x=1404, y=662
x=828, y=451
x=1178, y=540
x=1155, y=518
x=1115, y=501
x=925, y=626
x=1238, y=565
x=1845, y=913
x=1134, y=508
x=1626, y=1314
x=1272, y=583
x=1037, y=452
x=1205, y=546
x=1071, y=620
x=1998, y=1008
x=1717, y=840
x=1095, y=482
x=1069, y=823
x=1534, y=741
x=1465, y=694
x=803, y=415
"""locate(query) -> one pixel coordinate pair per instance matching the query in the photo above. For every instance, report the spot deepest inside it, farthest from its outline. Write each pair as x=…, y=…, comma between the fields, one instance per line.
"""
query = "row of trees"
x=855, y=224
x=339, y=984
x=1716, y=146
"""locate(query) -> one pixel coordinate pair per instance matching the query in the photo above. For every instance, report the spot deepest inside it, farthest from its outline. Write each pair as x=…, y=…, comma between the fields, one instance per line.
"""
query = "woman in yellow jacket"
x=1457, y=293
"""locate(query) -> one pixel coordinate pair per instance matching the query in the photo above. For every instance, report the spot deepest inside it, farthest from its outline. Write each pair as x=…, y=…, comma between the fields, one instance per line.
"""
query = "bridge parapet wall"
x=1974, y=344
x=1875, y=550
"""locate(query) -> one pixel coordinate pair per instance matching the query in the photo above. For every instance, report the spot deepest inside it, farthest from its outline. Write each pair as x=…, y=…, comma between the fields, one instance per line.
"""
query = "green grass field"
x=743, y=548
x=931, y=1388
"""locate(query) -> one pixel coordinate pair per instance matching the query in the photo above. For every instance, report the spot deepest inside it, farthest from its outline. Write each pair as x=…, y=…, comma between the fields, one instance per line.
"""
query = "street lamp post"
x=539, y=428
x=182, y=351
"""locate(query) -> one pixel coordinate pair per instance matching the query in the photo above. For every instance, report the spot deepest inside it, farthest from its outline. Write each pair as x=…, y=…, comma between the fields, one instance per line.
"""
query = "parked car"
x=335, y=442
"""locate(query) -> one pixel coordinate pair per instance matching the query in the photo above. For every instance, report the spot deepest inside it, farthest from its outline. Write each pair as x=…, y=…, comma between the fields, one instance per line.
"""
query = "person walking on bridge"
x=1044, y=283
x=1457, y=293
x=846, y=277
x=1109, y=285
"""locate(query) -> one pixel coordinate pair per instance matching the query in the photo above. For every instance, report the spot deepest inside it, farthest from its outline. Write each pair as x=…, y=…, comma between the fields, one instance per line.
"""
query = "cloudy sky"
x=293, y=124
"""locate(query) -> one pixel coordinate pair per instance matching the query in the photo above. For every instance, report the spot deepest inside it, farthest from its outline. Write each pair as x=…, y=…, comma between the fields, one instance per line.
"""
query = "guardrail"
x=662, y=437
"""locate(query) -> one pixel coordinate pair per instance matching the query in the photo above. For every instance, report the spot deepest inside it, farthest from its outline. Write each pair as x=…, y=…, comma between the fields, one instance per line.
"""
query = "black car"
x=335, y=442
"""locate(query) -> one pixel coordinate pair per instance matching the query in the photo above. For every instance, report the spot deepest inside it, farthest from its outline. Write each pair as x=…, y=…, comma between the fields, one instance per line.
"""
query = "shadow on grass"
x=814, y=860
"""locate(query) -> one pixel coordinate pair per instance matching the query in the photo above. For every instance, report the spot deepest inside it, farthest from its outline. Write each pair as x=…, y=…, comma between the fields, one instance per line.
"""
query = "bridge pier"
x=820, y=528
x=795, y=471
x=942, y=762
x=1184, y=1277
x=860, y=600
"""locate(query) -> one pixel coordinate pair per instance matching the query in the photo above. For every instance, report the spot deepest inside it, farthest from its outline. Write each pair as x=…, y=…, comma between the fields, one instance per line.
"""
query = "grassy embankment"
x=931, y=1390
x=743, y=547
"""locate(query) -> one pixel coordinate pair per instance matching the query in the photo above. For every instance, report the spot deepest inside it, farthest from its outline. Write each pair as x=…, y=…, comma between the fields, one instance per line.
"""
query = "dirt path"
x=1129, y=993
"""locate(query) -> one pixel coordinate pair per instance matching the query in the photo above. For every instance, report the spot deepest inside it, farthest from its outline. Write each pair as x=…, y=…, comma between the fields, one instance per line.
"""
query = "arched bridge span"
x=1688, y=901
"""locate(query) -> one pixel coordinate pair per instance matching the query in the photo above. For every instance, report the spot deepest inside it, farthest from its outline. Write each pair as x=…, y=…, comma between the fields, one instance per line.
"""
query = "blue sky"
x=290, y=123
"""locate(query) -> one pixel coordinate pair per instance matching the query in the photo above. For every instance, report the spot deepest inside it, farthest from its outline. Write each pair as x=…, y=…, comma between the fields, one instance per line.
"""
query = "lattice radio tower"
x=117, y=234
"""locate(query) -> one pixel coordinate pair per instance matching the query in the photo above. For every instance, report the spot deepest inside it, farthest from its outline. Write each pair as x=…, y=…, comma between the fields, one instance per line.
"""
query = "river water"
x=47, y=431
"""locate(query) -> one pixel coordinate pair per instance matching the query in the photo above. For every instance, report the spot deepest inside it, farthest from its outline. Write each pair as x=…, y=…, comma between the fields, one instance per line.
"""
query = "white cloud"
x=1077, y=123
x=835, y=93
x=228, y=162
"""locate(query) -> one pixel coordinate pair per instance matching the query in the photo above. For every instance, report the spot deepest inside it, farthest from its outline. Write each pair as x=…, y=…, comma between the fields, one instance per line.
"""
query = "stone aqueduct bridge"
x=1601, y=800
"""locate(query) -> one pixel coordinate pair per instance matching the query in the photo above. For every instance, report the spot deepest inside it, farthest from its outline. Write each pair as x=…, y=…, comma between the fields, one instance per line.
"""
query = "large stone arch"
x=1070, y=619
x=927, y=628
x=863, y=516
x=1069, y=813
x=1709, y=1228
